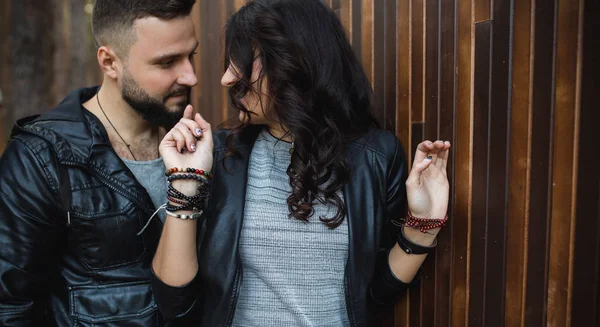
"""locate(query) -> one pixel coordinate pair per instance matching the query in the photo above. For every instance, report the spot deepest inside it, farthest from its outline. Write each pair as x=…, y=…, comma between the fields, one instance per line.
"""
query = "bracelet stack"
x=423, y=225
x=179, y=201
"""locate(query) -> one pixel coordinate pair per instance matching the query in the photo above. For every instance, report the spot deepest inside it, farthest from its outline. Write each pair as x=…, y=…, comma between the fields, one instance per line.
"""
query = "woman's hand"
x=427, y=188
x=189, y=143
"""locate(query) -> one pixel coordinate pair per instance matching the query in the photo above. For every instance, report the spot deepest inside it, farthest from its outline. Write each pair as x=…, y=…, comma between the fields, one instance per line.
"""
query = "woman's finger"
x=189, y=138
x=192, y=126
x=444, y=157
x=422, y=151
x=204, y=127
x=417, y=170
x=437, y=146
x=179, y=139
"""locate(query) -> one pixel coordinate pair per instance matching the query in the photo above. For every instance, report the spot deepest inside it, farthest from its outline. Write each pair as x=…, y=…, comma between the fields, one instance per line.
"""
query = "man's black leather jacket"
x=77, y=262
x=374, y=196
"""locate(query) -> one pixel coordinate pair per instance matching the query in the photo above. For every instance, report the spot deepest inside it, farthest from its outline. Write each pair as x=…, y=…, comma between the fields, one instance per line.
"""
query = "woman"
x=298, y=229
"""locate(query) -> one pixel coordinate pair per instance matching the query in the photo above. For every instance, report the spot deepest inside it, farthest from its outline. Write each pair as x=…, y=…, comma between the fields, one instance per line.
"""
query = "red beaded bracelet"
x=424, y=224
x=206, y=174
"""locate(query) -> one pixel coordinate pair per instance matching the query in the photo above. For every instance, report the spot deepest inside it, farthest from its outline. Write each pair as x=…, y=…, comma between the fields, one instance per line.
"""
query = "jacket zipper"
x=106, y=181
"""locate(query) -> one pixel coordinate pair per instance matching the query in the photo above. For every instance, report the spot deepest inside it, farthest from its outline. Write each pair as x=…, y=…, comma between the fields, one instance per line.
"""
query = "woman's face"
x=256, y=100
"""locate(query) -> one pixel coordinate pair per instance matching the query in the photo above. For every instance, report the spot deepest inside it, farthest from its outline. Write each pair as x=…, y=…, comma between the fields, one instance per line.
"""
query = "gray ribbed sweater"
x=293, y=272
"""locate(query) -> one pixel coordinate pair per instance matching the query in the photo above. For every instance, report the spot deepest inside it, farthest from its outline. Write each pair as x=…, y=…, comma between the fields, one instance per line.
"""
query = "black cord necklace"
x=113, y=126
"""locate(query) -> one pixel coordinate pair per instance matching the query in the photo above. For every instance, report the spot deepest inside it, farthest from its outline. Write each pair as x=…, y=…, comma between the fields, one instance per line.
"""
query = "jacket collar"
x=69, y=127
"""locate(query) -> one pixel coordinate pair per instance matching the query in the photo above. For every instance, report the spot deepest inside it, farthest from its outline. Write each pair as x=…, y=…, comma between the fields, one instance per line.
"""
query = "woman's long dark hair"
x=317, y=90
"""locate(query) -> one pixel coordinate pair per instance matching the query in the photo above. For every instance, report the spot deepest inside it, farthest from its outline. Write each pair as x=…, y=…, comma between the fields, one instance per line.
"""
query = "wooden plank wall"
x=513, y=84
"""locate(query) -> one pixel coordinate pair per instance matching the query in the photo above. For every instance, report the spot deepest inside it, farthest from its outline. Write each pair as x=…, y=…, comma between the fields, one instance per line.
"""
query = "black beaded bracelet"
x=199, y=178
x=411, y=248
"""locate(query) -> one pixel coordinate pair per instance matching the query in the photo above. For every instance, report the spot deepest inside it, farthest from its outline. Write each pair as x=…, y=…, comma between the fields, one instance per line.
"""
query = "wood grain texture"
x=520, y=165
x=585, y=298
x=564, y=165
x=481, y=116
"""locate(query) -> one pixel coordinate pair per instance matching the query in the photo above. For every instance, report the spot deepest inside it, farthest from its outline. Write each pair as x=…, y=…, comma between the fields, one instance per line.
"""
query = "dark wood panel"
x=498, y=165
x=198, y=91
x=417, y=60
x=388, y=66
x=520, y=136
x=585, y=298
x=562, y=217
x=481, y=107
x=463, y=159
x=404, y=91
x=432, y=26
x=541, y=140
x=416, y=297
x=431, y=110
x=379, y=61
x=443, y=297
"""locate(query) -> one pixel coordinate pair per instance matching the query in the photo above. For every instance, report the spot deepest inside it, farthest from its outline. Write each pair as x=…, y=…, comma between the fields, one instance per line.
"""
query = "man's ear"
x=109, y=61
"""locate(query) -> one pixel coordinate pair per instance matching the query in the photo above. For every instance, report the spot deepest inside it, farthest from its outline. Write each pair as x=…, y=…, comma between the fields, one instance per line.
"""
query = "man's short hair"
x=113, y=20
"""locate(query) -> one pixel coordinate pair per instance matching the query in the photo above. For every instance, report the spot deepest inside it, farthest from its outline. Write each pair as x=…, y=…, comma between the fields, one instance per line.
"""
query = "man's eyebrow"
x=166, y=56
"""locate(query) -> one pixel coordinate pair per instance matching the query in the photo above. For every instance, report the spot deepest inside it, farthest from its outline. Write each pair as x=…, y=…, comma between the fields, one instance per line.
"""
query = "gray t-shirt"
x=151, y=174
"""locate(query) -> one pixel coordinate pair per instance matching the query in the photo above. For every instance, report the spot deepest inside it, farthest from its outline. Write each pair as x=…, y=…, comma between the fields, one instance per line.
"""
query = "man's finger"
x=188, y=113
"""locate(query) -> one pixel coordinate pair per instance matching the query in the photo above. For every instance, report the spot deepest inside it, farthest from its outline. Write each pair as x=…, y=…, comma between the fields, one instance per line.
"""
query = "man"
x=80, y=182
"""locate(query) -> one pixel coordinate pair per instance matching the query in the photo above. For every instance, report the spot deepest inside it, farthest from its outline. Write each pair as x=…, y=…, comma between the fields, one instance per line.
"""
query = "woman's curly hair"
x=317, y=90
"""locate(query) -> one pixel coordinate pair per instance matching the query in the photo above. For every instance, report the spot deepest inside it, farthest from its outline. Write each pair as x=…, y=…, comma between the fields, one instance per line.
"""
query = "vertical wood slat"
x=520, y=164
x=197, y=92
x=447, y=113
x=346, y=17
x=403, y=111
x=388, y=67
x=463, y=159
x=431, y=112
x=585, y=298
x=498, y=164
x=564, y=163
x=366, y=49
x=376, y=23
x=482, y=10
x=479, y=219
x=403, y=76
x=416, y=293
x=417, y=59
x=540, y=177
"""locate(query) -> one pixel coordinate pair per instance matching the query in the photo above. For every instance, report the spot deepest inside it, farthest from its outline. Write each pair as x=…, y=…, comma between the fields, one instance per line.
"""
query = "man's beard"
x=151, y=109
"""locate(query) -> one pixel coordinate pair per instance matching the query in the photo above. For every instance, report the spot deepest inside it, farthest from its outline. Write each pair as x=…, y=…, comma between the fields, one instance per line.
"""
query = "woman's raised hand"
x=427, y=188
x=189, y=144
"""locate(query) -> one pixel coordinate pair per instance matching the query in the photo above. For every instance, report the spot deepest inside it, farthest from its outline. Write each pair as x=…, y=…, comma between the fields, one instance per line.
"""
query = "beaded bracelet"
x=201, y=172
x=424, y=224
x=199, y=178
x=202, y=192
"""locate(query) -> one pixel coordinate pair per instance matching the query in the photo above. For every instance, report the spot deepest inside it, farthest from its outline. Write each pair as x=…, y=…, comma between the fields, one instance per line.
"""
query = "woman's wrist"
x=188, y=187
x=417, y=237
